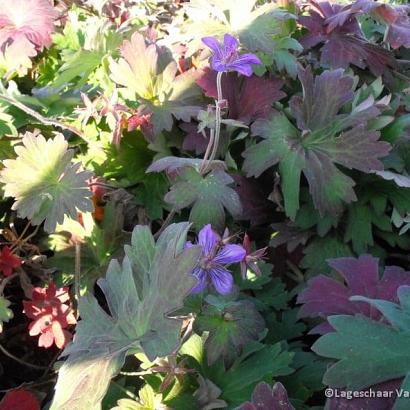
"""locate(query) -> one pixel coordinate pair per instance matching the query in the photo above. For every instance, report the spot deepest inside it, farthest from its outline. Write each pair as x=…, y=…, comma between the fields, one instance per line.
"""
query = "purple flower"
x=211, y=269
x=226, y=58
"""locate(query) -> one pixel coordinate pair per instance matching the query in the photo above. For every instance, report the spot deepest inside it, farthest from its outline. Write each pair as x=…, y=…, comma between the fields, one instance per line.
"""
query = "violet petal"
x=207, y=238
x=230, y=254
x=222, y=280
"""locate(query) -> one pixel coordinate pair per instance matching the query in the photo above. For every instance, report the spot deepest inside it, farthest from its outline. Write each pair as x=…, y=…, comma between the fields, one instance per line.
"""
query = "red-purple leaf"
x=373, y=403
x=343, y=43
x=325, y=296
x=248, y=98
x=194, y=140
x=394, y=17
x=33, y=19
x=253, y=195
x=265, y=397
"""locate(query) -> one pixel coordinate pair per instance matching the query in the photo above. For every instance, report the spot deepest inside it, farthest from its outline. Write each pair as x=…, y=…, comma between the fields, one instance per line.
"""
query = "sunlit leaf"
x=44, y=182
x=141, y=292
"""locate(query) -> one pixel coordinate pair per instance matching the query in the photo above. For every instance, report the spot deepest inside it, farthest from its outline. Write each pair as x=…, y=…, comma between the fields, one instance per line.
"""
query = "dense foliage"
x=205, y=204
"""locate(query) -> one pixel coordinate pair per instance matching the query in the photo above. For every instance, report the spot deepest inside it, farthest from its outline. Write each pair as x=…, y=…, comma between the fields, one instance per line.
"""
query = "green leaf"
x=238, y=382
x=258, y=362
x=208, y=195
x=256, y=27
x=126, y=164
x=284, y=326
x=5, y=313
x=359, y=227
x=368, y=352
x=6, y=124
x=80, y=64
x=98, y=244
x=138, y=318
x=151, y=194
x=152, y=77
x=321, y=249
x=148, y=400
x=282, y=56
x=402, y=403
x=44, y=182
x=308, y=375
x=230, y=329
x=265, y=23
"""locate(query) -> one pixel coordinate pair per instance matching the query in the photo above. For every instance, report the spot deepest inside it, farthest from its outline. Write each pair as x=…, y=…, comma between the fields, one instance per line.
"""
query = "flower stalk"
x=215, y=133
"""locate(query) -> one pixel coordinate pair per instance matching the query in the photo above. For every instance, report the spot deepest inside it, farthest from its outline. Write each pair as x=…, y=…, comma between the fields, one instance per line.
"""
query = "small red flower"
x=50, y=316
x=8, y=261
x=21, y=399
x=139, y=120
x=51, y=330
x=251, y=259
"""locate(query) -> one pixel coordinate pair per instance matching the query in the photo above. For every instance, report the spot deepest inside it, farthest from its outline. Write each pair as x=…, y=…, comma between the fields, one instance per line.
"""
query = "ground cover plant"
x=204, y=204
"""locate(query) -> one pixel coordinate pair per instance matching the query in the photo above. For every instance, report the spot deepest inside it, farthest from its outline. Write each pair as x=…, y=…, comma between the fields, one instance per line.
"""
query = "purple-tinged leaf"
x=394, y=17
x=325, y=296
x=265, y=397
x=148, y=72
x=174, y=164
x=342, y=42
x=253, y=195
x=194, y=140
x=32, y=19
x=248, y=98
x=289, y=234
x=207, y=196
x=373, y=403
x=399, y=33
x=323, y=98
x=326, y=137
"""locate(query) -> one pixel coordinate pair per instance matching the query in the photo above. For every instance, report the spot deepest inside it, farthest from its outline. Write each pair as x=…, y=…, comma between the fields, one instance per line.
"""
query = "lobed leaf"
x=141, y=293
x=149, y=73
x=208, y=196
x=44, y=182
x=325, y=296
x=229, y=329
x=324, y=137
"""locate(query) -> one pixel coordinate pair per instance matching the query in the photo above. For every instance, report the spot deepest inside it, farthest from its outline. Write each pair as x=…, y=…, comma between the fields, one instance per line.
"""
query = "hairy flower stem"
x=77, y=273
x=215, y=134
x=40, y=118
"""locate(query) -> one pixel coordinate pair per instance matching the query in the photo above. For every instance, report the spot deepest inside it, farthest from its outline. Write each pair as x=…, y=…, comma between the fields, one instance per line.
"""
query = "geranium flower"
x=226, y=57
x=33, y=19
x=50, y=315
x=51, y=330
x=49, y=300
x=211, y=269
x=8, y=261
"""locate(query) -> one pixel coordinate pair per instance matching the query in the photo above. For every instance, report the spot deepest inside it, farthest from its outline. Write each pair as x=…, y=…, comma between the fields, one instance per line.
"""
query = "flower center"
x=230, y=56
x=206, y=263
